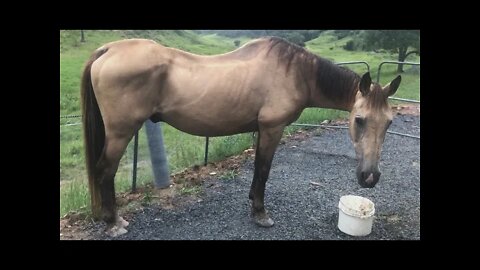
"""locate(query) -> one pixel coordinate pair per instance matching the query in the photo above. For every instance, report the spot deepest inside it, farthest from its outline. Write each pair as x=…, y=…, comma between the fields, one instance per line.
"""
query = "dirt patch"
x=410, y=109
x=71, y=227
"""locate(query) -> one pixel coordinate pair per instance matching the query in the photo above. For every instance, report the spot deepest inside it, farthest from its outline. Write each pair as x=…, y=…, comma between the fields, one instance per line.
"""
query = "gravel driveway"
x=301, y=210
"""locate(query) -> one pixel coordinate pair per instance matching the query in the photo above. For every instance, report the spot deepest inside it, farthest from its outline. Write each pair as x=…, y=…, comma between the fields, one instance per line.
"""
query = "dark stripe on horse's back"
x=336, y=83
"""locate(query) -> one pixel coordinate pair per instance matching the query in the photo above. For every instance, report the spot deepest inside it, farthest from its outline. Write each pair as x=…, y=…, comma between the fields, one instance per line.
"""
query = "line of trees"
x=298, y=37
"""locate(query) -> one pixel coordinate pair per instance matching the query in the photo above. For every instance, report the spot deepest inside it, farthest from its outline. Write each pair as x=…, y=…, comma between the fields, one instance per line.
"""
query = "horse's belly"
x=216, y=100
x=210, y=124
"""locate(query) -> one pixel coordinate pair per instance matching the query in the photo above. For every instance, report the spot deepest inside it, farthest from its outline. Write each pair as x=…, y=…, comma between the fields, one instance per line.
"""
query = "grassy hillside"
x=183, y=150
x=327, y=45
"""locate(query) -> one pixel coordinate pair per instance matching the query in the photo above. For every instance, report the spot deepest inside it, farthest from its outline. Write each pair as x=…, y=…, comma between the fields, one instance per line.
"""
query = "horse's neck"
x=334, y=87
x=319, y=100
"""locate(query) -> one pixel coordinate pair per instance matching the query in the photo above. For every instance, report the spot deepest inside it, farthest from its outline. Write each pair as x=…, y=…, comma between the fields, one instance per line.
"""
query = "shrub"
x=349, y=46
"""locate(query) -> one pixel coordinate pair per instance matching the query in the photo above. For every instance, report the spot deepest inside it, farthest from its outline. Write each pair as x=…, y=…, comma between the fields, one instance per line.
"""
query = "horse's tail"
x=93, y=132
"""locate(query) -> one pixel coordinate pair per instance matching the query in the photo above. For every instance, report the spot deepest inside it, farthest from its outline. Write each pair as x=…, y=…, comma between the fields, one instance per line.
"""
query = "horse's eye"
x=359, y=120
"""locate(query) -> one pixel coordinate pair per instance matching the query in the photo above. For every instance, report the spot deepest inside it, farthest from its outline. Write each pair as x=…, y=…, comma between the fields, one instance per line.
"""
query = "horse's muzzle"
x=368, y=179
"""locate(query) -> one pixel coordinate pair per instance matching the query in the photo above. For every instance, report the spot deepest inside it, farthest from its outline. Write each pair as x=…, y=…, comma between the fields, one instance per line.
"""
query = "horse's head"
x=369, y=120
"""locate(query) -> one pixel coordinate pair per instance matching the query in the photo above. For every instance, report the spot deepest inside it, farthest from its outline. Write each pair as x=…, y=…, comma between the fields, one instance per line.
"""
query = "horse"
x=263, y=86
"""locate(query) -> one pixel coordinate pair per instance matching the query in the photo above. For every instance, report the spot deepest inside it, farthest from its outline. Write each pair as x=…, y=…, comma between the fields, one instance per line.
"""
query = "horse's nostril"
x=369, y=180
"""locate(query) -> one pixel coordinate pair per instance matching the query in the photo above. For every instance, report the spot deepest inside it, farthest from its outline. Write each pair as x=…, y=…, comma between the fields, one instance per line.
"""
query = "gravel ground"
x=301, y=210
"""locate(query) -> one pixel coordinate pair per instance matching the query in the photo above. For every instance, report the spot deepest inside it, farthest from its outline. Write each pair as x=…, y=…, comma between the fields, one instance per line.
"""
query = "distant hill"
x=182, y=39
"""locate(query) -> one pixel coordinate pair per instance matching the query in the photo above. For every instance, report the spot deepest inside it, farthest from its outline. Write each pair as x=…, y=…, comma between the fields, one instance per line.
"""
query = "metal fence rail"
x=354, y=62
x=71, y=116
x=397, y=62
x=345, y=127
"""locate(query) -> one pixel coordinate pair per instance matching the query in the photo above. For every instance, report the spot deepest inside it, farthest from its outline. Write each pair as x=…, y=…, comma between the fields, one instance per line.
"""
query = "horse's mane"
x=336, y=83
x=376, y=97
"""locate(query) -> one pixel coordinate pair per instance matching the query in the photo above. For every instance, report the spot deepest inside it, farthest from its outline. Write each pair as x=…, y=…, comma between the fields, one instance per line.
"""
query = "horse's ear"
x=365, y=82
x=392, y=87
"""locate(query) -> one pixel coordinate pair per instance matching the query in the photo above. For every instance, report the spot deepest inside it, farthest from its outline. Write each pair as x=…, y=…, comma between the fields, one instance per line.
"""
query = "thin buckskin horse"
x=262, y=86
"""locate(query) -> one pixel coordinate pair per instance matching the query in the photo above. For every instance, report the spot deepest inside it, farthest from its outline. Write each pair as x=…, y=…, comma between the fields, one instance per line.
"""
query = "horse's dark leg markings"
x=267, y=143
x=107, y=190
x=255, y=171
x=106, y=168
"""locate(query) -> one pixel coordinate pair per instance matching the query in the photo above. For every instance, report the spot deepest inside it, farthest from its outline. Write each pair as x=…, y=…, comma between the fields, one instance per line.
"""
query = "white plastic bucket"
x=355, y=215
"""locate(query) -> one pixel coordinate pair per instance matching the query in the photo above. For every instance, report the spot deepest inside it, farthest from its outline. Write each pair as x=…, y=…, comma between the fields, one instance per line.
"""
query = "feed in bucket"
x=355, y=215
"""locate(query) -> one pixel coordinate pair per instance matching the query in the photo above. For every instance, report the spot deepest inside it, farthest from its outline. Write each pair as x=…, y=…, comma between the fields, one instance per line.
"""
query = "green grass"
x=74, y=196
x=316, y=116
x=190, y=190
x=228, y=175
x=183, y=150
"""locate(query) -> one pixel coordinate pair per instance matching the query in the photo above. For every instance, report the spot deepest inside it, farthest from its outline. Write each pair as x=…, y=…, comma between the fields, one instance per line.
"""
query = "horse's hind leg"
x=268, y=139
x=107, y=168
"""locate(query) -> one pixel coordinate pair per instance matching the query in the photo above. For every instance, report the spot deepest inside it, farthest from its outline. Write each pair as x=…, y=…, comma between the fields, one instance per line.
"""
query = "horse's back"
x=142, y=79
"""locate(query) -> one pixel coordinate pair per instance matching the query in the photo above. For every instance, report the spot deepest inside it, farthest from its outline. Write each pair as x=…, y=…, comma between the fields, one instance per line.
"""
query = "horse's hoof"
x=121, y=222
x=263, y=220
x=116, y=231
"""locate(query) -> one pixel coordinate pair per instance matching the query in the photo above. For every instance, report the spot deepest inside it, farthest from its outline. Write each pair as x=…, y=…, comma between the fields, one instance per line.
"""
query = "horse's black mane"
x=336, y=82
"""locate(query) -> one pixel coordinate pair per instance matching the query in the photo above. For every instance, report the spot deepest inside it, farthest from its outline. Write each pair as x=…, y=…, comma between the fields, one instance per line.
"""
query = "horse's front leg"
x=268, y=139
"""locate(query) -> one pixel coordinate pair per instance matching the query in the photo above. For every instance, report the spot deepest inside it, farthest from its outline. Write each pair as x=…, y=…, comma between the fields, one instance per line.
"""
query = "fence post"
x=206, y=151
x=158, y=157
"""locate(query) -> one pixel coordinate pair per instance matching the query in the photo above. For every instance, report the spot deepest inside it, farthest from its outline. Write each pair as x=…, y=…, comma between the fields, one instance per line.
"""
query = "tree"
x=398, y=40
x=236, y=42
x=294, y=37
x=298, y=37
x=82, y=39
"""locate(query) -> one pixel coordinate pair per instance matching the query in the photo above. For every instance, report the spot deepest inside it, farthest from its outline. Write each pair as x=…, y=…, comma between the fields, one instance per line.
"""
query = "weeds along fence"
x=72, y=163
x=71, y=132
x=183, y=150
